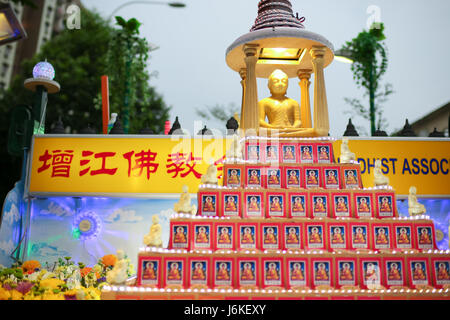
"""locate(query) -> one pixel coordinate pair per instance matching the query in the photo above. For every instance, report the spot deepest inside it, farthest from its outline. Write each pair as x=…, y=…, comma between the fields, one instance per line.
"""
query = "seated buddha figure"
x=292, y=236
x=331, y=178
x=283, y=113
x=346, y=272
x=174, y=273
x=231, y=205
x=371, y=272
x=202, y=236
x=394, y=273
x=273, y=178
x=337, y=236
x=180, y=237
x=272, y=272
x=288, y=154
x=298, y=206
x=341, y=206
x=208, y=205
x=359, y=236
x=270, y=237
x=293, y=179
x=403, y=237
x=381, y=237
x=296, y=273
x=419, y=274
x=254, y=178
x=312, y=178
x=385, y=206
x=253, y=206
x=443, y=272
x=222, y=273
x=424, y=237
x=247, y=237
x=199, y=273
x=323, y=154
x=314, y=236
x=224, y=236
x=363, y=206
x=233, y=178
x=351, y=179
x=247, y=272
x=320, y=206
x=275, y=206
x=306, y=153
x=272, y=154
x=321, y=273
x=149, y=272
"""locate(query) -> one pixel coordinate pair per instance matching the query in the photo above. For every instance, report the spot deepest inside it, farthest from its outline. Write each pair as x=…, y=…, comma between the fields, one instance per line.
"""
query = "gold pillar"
x=250, y=114
x=321, y=117
x=243, y=74
x=305, y=106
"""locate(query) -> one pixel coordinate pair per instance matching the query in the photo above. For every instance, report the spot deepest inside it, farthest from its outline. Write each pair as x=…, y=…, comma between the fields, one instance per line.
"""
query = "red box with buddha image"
x=351, y=177
x=382, y=236
x=253, y=152
x=418, y=271
x=403, y=234
x=289, y=153
x=199, y=272
x=270, y=236
x=150, y=272
x=395, y=274
x=255, y=177
x=386, y=205
x=292, y=177
x=273, y=177
x=315, y=235
x=307, y=153
x=276, y=203
x=272, y=272
x=234, y=175
x=425, y=236
x=223, y=271
x=346, y=272
x=360, y=235
x=440, y=267
x=253, y=204
x=225, y=236
x=231, y=204
x=298, y=205
x=341, y=204
x=324, y=152
x=312, y=177
x=320, y=204
x=175, y=272
x=338, y=236
x=297, y=273
x=248, y=272
x=202, y=236
x=292, y=236
x=332, y=177
x=248, y=236
x=371, y=272
x=321, y=272
x=209, y=203
x=180, y=235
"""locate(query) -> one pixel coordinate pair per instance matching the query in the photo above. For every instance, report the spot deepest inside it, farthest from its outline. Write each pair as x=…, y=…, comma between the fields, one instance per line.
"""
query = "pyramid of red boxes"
x=290, y=222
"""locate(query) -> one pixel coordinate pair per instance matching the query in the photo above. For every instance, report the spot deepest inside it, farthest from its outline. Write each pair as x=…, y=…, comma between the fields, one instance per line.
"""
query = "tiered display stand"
x=291, y=223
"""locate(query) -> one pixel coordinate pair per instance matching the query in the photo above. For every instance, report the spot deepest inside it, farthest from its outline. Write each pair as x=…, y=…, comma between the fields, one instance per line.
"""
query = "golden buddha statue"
x=282, y=113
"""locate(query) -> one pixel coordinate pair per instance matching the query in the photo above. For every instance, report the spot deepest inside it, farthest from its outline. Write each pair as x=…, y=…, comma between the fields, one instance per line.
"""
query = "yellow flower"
x=30, y=266
x=4, y=294
x=51, y=283
x=52, y=296
x=109, y=260
x=31, y=296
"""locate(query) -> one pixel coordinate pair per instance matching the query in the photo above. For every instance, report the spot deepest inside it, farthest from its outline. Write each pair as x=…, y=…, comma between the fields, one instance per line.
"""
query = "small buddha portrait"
x=253, y=204
x=234, y=178
x=224, y=236
x=174, y=272
x=385, y=205
x=254, y=178
x=337, y=236
x=269, y=236
x=209, y=204
x=282, y=113
x=351, y=177
x=394, y=272
x=253, y=153
x=289, y=154
x=371, y=272
x=180, y=235
x=443, y=271
x=271, y=153
x=359, y=236
x=306, y=153
x=324, y=153
x=247, y=273
x=223, y=272
x=403, y=236
x=274, y=177
x=297, y=272
x=320, y=205
x=150, y=272
x=276, y=205
x=346, y=272
x=341, y=204
x=419, y=272
x=292, y=236
x=315, y=235
x=272, y=272
x=321, y=272
x=382, y=237
x=298, y=206
x=312, y=177
x=363, y=204
x=247, y=236
x=202, y=235
x=293, y=178
x=231, y=204
x=199, y=272
x=424, y=236
x=331, y=177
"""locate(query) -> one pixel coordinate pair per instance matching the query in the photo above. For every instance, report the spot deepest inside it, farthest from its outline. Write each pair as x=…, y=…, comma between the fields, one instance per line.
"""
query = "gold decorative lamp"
x=278, y=41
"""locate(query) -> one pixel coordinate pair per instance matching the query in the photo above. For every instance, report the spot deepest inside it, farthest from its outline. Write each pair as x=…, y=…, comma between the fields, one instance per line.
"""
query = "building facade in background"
x=439, y=119
x=41, y=24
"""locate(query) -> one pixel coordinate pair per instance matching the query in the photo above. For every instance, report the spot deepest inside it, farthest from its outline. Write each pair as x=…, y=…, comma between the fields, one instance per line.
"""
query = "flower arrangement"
x=64, y=281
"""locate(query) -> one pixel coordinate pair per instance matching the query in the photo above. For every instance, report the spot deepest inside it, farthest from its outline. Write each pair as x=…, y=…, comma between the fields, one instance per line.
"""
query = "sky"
x=192, y=72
